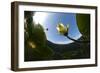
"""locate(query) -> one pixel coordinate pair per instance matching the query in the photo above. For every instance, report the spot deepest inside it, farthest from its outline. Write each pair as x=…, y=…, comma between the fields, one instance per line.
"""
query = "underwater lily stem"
x=78, y=41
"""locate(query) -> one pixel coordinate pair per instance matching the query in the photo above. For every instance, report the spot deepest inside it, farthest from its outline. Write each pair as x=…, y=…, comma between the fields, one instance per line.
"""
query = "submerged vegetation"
x=35, y=41
x=38, y=48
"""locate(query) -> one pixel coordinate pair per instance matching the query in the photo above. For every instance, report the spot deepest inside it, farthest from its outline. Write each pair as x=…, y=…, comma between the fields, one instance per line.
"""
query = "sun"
x=40, y=17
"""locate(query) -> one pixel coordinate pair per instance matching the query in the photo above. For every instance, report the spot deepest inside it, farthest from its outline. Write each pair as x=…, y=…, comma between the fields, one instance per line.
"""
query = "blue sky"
x=51, y=20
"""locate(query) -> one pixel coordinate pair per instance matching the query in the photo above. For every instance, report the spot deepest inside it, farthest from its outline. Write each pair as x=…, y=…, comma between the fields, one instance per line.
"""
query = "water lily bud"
x=62, y=29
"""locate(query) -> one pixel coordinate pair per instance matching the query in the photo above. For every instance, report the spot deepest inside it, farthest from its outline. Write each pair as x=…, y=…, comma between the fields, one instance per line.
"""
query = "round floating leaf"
x=83, y=23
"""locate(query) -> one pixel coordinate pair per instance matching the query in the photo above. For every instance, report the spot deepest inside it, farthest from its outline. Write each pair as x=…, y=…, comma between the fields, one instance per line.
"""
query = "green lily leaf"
x=83, y=23
x=35, y=40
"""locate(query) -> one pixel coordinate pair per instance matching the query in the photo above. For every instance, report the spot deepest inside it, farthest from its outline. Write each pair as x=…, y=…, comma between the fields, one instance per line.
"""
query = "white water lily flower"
x=62, y=29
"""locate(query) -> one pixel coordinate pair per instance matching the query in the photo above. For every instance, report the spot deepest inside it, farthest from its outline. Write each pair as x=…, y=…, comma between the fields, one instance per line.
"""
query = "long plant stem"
x=78, y=41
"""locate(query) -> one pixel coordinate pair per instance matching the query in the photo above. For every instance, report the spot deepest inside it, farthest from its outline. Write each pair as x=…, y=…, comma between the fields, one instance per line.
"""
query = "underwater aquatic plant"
x=63, y=30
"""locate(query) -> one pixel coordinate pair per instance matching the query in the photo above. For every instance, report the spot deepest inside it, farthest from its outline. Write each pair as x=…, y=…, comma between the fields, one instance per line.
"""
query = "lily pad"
x=83, y=23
